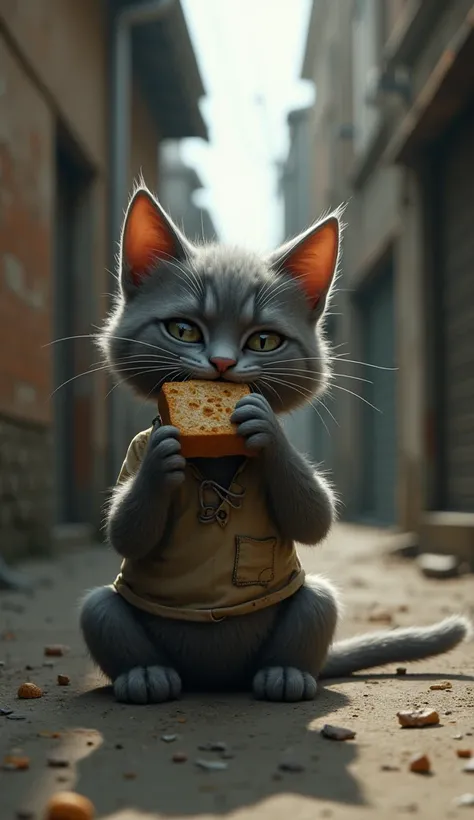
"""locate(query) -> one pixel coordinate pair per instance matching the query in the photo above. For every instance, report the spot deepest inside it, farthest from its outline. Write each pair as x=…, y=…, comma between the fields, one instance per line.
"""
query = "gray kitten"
x=211, y=312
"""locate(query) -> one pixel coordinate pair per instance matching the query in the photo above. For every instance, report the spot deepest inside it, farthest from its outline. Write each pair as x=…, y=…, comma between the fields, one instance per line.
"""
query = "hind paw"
x=150, y=684
x=284, y=684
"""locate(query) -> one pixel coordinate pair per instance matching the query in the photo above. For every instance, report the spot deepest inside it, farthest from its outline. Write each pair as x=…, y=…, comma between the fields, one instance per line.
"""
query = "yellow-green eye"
x=184, y=331
x=264, y=341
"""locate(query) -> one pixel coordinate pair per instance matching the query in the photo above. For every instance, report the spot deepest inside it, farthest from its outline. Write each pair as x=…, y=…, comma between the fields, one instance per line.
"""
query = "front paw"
x=256, y=422
x=284, y=684
x=163, y=459
x=150, y=684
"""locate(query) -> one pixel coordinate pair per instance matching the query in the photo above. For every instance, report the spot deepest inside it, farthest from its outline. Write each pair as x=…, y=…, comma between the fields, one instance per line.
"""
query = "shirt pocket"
x=254, y=563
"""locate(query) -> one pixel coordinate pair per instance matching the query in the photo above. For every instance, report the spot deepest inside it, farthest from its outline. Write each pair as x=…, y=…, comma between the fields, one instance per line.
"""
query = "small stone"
x=5, y=710
x=418, y=718
x=181, y=720
x=337, y=732
x=29, y=690
x=433, y=565
x=55, y=650
x=118, y=746
x=444, y=684
x=420, y=764
x=457, y=737
x=16, y=763
x=69, y=805
x=464, y=800
x=469, y=767
x=381, y=616
x=388, y=768
x=401, y=670
x=179, y=757
x=291, y=766
x=212, y=765
x=464, y=752
x=58, y=762
x=64, y=680
x=217, y=746
x=14, y=716
x=29, y=668
x=168, y=738
x=129, y=775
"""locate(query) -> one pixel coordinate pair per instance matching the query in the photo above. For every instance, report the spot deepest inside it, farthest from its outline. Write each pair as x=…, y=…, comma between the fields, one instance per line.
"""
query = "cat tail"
x=395, y=646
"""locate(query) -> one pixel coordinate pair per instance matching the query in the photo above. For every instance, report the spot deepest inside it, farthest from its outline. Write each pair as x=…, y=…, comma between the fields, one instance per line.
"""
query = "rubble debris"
x=433, y=565
x=211, y=765
x=401, y=670
x=464, y=800
x=469, y=767
x=69, y=806
x=444, y=684
x=64, y=680
x=55, y=650
x=58, y=762
x=337, y=732
x=5, y=710
x=381, y=616
x=169, y=738
x=291, y=766
x=179, y=757
x=464, y=752
x=420, y=764
x=16, y=763
x=418, y=718
x=29, y=690
x=217, y=746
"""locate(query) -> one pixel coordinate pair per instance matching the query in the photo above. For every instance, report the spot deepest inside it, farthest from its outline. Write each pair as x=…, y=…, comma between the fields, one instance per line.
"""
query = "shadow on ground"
x=139, y=763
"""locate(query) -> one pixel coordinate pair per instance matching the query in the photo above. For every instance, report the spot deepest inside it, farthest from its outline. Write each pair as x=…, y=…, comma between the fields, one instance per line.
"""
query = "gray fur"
x=396, y=646
x=279, y=651
x=224, y=655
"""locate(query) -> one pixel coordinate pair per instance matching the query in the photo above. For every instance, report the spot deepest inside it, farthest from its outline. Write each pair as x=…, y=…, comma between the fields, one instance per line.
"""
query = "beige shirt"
x=222, y=555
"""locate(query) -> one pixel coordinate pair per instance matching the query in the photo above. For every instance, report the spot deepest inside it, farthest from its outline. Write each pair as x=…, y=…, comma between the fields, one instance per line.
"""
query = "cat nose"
x=222, y=364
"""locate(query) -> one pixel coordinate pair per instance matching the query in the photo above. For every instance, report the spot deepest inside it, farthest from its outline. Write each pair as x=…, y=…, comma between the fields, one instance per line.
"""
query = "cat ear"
x=311, y=259
x=148, y=237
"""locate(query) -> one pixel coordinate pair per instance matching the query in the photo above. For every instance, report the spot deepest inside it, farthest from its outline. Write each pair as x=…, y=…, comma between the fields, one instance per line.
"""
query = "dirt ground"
x=116, y=756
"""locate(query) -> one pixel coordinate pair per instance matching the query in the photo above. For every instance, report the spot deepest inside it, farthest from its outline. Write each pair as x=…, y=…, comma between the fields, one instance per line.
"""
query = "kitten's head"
x=212, y=312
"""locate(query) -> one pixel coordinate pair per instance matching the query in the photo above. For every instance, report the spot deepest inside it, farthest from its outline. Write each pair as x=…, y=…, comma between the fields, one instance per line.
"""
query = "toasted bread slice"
x=201, y=411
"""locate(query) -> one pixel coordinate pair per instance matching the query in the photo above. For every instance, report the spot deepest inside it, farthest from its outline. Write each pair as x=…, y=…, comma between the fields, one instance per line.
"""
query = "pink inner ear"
x=313, y=261
x=146, y=237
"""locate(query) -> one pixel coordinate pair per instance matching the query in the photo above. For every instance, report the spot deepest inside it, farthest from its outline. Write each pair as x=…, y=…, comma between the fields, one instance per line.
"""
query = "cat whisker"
x=270, y=387
x=303, y=374
x=357, y=396
x=307, y=397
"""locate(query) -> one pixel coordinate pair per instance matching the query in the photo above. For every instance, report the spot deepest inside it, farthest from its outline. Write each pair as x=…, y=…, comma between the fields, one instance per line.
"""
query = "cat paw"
x=284, y=684
x=147, y=684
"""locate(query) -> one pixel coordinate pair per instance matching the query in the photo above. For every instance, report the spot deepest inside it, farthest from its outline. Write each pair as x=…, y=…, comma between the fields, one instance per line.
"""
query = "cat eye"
x=264, y=342
x=184, y=331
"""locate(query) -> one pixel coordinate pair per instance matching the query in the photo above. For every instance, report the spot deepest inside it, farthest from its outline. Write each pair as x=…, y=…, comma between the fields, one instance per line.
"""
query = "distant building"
x=179, y=184
x=66, y=165
x=395, y=111
x=303, y=425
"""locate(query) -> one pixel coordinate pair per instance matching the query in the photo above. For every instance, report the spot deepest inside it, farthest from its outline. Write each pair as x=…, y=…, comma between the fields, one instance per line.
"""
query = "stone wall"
x=26, y=489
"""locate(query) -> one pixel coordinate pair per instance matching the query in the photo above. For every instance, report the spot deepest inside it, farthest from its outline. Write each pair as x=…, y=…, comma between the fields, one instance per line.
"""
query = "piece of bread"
x=201, y=411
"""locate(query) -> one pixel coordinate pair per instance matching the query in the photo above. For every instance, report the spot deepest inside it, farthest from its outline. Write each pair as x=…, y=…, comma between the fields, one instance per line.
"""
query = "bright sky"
x=250, y=55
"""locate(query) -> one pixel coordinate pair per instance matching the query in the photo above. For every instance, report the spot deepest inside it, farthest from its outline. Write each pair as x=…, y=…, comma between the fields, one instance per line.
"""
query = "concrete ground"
x=116, y=756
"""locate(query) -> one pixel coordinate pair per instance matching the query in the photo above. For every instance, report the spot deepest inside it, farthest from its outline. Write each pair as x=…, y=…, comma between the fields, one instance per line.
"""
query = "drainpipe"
x=123, y=24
